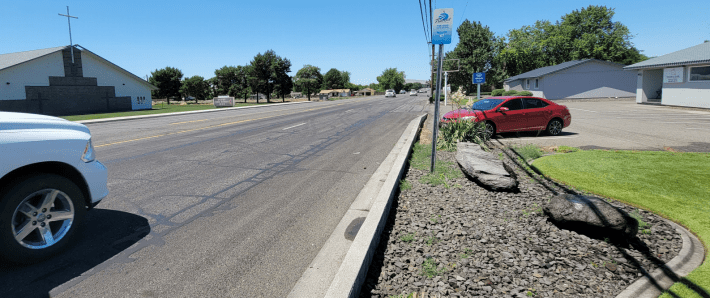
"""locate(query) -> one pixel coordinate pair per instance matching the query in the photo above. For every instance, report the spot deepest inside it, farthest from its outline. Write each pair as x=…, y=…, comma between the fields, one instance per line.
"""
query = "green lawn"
x=157, y=109
x=673, y=185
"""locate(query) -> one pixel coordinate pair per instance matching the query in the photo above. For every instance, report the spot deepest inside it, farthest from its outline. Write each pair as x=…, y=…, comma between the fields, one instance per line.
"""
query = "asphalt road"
x=626, y=125
x=223, y=204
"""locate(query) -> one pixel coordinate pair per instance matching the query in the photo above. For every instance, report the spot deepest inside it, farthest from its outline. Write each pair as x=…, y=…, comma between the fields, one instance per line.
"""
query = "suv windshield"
x=390, y=90
x=486, y=104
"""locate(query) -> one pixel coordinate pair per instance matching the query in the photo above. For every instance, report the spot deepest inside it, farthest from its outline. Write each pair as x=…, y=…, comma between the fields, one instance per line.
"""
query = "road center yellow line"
x=207, y=127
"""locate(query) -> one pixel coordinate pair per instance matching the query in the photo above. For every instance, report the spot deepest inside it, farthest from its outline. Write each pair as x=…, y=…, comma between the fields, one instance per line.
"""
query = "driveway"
x=626, y=125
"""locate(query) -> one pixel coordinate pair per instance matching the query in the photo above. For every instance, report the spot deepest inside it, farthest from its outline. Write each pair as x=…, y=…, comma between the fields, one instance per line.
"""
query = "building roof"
x=543, y=71
x=13, y=59
x=699, y=54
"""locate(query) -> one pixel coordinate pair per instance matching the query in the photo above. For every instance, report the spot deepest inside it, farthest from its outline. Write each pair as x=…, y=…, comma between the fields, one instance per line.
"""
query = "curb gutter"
x=182, y=113
x=690, y=257
x=353, y=269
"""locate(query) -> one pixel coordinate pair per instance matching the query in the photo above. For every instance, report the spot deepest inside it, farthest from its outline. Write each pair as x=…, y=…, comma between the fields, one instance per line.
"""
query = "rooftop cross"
x=70, y=42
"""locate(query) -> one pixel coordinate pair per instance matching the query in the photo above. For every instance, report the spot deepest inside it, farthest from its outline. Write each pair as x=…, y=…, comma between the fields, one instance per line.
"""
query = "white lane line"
x=297, y=125
x=582, y=110
x=679, y=122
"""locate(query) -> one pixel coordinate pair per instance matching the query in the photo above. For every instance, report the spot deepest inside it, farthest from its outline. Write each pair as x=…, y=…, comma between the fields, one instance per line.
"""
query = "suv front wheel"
x=39, y=218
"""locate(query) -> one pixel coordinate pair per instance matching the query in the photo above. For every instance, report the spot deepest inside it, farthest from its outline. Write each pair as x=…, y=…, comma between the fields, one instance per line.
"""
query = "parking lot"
x=626, y=125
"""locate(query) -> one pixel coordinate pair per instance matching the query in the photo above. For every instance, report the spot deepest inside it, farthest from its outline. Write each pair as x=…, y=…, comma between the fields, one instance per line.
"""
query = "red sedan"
x=515, y=113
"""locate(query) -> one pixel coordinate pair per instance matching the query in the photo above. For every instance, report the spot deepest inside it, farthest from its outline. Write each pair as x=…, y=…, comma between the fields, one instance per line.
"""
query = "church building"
x=50, y=82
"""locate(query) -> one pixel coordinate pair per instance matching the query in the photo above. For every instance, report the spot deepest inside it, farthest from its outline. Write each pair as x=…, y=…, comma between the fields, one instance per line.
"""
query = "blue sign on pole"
x=479, y=78
x=443, y=26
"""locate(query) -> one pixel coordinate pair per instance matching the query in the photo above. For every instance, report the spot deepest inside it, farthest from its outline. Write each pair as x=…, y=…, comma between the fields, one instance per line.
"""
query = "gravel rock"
x=485, y=167
x=470, y=241
x=590, y=215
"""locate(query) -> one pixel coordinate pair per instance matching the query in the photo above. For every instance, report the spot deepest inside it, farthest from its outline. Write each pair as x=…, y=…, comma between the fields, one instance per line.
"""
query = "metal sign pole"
x=436, y=109
x=446, y=89
x=478, y=92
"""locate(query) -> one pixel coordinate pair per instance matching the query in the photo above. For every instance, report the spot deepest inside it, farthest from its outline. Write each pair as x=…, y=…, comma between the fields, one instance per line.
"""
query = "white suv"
x=49, y=178
x=390, y=92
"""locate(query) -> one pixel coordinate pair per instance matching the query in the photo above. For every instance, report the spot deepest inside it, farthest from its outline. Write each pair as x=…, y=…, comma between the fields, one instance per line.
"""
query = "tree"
x=263, y=73
x=333, y=79
x=391, y=79
x=168, y=80
x=309, y=80
x=581, y=34
x=195, y=86
x=476, y=51
x=591, y=33
x=233, y=81
x=284, y=83
x=345, y=78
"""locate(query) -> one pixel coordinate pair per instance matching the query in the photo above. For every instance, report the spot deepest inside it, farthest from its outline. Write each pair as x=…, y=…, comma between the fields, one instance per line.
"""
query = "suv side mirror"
x=503, y=109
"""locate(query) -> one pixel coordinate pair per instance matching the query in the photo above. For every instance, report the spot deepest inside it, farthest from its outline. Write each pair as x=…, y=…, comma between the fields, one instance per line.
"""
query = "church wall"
x=32, y=73
x=126, y=85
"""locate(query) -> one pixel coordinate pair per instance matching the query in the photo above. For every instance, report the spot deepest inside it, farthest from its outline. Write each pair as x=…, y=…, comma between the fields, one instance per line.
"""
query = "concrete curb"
x=353, y=269
x=691, y=256
x=182, y=113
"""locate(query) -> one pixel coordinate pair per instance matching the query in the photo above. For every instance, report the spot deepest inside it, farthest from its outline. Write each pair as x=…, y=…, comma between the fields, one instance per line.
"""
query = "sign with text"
x=479, y=77
x=223, y=101
x=443, y=26
x=673, y=75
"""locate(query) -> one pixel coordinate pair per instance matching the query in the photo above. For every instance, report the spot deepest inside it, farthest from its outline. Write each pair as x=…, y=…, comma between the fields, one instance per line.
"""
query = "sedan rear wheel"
x=554, y=127
x=39, y=218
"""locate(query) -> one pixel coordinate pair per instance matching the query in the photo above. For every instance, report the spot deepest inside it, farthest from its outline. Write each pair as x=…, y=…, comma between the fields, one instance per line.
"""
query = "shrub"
x=497, y=92
x=528, y=152
x=461, y=130
x=510, y=92
x=525, y=93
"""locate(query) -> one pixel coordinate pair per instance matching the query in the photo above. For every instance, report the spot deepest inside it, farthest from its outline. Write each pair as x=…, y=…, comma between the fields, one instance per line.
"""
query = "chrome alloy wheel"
x=555, y=127
x=42, y=219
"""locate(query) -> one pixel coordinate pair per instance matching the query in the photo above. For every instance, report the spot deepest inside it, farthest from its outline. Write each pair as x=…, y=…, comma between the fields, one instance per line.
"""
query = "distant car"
x=423, y=90
x=402, y=91
x=413, y=93
x=514, y=113
x=390, y=93
x=49, y=178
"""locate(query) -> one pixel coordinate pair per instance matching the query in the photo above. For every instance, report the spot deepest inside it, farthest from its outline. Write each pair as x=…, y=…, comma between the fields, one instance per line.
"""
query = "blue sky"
x=362, y=37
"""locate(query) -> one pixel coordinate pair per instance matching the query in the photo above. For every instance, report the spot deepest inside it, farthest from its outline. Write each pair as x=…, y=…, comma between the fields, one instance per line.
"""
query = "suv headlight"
x=88, y=155
x=468, y=118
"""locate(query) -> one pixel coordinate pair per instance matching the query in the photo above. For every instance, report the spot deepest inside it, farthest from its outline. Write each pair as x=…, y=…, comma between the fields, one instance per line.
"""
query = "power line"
x=423, y=26
x=431, y=22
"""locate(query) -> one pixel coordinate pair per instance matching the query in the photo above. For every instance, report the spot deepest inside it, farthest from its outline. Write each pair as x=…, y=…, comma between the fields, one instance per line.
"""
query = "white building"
x=46, y=81
x=680, y=78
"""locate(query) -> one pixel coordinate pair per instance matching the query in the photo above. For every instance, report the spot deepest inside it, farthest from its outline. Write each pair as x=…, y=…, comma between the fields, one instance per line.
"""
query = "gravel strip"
x=465, y=241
